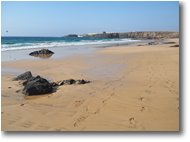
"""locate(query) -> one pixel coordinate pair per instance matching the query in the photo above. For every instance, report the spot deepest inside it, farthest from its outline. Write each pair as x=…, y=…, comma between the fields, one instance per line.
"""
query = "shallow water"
x=60, y=52
x=17, y=48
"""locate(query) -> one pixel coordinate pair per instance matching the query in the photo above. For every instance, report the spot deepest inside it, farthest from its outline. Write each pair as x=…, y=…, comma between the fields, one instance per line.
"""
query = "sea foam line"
x=20, y=46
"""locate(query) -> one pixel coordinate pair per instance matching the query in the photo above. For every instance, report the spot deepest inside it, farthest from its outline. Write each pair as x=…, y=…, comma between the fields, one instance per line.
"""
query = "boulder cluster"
x=39, y=85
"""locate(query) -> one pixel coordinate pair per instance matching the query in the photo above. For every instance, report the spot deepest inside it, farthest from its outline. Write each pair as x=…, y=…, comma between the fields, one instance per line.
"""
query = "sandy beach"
x=133, y=88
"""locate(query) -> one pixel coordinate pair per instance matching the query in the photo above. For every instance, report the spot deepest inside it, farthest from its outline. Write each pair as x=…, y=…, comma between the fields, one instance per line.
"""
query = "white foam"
x=19, y=46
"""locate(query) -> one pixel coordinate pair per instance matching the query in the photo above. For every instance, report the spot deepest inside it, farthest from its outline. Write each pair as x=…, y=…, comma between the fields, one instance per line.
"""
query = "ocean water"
x=19, y=43
x=18, y=48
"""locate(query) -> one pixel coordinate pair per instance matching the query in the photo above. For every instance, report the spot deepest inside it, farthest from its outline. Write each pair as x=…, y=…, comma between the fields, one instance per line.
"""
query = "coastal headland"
x=131, y=35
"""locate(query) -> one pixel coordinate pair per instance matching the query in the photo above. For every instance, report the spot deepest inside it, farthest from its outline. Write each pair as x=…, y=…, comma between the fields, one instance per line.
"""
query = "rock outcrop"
x=43, y=53
x=38, y=85
x=136, y=35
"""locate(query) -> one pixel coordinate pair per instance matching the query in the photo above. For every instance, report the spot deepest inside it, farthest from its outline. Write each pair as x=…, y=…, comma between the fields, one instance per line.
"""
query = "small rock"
x=152, y=43
x=21, y=104
x=169, y=42
x=61, y=82
x=69, y=81
x=23, y=76
x=9, y=87
x=82, y=81
x=175, y=45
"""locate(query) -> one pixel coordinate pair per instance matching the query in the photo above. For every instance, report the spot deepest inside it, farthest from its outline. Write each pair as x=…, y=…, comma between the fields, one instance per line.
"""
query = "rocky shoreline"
x=135, y=35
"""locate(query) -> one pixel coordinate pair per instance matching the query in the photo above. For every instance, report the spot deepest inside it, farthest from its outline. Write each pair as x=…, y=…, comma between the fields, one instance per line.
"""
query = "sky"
x=19, y=18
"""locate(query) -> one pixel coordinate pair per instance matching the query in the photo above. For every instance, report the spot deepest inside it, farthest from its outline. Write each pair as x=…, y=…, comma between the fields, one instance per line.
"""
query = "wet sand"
x=133, y=88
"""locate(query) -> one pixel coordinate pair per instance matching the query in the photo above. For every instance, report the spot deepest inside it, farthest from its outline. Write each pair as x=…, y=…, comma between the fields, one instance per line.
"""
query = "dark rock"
x=169, y=42
x=17, y=91
x=72, y=81
x=37, y=86
x=23, y=76
x=82, y=81
x=175, y=45
x=43, y=53
x=152, y=43
x=9, y=87
x=69, y=81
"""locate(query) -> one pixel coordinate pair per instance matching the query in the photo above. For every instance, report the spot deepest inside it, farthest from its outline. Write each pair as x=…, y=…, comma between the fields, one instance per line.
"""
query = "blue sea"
x=19, y=43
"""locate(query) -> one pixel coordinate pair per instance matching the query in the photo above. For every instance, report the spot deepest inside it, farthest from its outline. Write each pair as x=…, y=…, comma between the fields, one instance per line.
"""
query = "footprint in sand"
x=142, y=127
x=78, y=103
x=92, y=93
x=43, y=127
x=11, y=122
x=97, y=111
x=79, y=120
x=104, y=101
x=15, y=120
x=132, y=122
x=148, y=91
x=86, y=109
x=27, y=124
x=143, y=108
x=142, y=99
x=112, y=94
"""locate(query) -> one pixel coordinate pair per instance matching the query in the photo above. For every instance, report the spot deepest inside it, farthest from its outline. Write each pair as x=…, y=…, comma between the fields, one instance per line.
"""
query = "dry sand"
x=133, y=88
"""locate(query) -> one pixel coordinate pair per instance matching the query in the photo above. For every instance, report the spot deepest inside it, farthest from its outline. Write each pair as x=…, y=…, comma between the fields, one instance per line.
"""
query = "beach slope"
x=134, y=88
